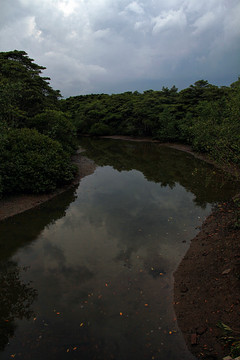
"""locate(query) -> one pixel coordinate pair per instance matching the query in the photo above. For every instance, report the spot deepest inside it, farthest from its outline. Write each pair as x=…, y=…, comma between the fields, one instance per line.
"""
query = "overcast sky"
x=111, y=46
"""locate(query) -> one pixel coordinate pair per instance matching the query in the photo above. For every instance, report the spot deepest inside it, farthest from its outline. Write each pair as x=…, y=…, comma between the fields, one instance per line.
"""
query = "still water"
x=89, y=275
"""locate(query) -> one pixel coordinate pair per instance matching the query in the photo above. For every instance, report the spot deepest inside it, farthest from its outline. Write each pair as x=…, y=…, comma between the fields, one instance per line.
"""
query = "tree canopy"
x=36, y=138
x=203, y=115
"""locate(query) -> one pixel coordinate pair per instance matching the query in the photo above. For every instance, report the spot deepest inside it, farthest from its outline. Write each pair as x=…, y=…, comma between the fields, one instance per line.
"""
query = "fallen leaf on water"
x=225, y=272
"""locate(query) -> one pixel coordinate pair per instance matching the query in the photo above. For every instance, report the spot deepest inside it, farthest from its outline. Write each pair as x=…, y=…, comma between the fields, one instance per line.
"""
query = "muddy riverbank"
x=207, y=284
x=17, y=204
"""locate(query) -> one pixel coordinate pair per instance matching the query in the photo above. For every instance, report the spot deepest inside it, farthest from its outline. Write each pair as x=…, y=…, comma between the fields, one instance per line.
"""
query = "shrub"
x=57, y=126
x=99, y=129
x=32, y=162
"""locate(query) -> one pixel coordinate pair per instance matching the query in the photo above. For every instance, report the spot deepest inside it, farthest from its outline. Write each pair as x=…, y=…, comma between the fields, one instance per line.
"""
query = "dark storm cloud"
x=105, y=46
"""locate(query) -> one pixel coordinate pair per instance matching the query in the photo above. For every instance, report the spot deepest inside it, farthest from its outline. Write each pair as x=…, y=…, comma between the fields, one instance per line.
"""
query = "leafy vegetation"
x=231, y=338
x=33, y=162
x=36, y=138
x=203, y=115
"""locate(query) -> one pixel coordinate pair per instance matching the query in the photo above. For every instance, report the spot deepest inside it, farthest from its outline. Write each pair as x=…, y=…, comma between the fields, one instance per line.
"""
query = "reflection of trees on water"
x=162, y=165
x=24, y=228
x=16, y=299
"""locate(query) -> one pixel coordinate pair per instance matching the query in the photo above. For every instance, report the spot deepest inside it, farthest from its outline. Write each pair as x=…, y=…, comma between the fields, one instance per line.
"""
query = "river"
x=89, y=274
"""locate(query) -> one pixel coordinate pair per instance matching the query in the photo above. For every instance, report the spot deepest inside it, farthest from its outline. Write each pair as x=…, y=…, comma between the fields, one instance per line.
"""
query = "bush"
x=99, y=129
x=32, y=162
x=167, y=130
x=57, y=126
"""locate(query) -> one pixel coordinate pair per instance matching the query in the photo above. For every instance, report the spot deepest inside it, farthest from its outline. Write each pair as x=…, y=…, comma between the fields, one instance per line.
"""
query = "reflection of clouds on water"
x=116, y=217
x=126, y=209
x=103, y=267
x=114, y=252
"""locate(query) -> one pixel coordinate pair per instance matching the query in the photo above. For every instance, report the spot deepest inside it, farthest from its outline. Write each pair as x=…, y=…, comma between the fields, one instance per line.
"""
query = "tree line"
x=38, y=129
x=205, y=116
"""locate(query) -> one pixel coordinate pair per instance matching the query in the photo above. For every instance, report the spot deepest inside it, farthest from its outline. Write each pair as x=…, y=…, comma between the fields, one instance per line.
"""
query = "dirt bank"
x=207, y=284
x=19, y=203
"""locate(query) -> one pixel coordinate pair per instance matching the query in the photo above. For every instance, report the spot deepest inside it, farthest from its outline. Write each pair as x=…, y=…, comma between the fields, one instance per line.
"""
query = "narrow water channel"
x=89, y=275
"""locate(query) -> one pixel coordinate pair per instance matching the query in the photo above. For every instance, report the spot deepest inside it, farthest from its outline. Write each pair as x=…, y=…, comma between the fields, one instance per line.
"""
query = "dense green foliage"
x=57, y=126
x=33, y=162
x=36, y=138
x=37, y=130
x=203, y=115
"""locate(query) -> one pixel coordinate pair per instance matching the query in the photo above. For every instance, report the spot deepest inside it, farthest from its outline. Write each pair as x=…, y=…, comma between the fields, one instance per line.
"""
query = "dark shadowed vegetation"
x=36, y=138
x=205, y=116
x=38, y=130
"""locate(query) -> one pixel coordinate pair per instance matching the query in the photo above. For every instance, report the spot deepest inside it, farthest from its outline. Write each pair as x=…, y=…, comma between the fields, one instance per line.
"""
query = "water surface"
x=89, y=275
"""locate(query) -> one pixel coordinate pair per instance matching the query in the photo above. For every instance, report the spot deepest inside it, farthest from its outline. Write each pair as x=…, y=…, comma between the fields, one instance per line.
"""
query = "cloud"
x=68, y=7
x=135, y=8
x=170, y=20
x=98, y=46
x=204, y=22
